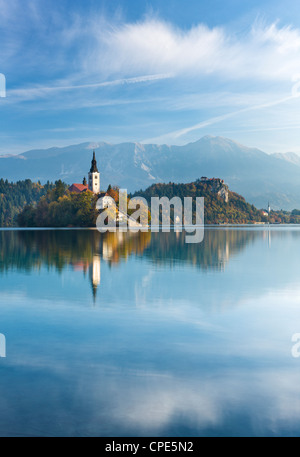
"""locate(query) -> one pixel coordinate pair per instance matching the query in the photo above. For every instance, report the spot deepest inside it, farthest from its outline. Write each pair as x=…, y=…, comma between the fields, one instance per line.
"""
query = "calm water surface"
x=140, y=334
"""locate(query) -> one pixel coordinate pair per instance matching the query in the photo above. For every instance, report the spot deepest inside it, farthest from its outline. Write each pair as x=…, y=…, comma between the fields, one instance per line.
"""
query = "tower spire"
x=94, y=168
x=94, y=176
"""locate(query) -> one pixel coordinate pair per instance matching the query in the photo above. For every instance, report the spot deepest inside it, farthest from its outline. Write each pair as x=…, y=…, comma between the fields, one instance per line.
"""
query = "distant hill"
x=221, y=206
x=258, y=176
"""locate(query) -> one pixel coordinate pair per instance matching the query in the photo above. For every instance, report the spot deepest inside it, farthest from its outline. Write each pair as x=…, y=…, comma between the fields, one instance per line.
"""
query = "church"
x=105, y=200
x=93, y=184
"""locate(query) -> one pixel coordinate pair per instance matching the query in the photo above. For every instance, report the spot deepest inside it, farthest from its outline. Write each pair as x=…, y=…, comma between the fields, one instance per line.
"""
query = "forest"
x=29, y=204
x=216, y=209
x=15, y=196
x=60, y=208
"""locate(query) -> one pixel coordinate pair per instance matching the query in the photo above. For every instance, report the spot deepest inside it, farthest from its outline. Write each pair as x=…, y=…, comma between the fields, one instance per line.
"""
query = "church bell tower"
x=94, y=176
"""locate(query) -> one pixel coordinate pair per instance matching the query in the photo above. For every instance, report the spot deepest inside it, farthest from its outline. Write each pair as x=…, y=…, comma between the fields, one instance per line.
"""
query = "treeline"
x=216, y=210
x=15, y=196
x=60, y=208
x=285, y=217
x=29, y=204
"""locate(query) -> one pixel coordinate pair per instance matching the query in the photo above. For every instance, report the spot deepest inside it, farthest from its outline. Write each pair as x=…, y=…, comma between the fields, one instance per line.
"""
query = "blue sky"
x=162, y=71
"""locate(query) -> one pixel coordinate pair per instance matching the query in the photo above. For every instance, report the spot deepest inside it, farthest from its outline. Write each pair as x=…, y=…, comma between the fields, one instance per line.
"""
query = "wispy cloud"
x=231, y=114
x=43, y=91
x=217, y=119
x=92, y=47
x=168, y=78
x=266, y=52
x=118, y=49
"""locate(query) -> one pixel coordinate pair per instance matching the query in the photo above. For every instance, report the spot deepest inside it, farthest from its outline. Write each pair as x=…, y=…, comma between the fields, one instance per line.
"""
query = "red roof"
x=78, y=188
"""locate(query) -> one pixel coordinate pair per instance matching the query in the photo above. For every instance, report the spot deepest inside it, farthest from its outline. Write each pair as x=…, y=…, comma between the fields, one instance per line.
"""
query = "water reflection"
x=59, y=249
x=185, y=340
x=28, y=249
x=85, y=250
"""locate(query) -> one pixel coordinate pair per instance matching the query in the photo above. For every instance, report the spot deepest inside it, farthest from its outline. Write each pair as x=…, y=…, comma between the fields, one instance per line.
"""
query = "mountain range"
x=257, y=176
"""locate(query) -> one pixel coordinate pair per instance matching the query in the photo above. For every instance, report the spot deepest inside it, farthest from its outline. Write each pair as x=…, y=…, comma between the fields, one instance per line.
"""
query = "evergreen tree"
x=15, y=196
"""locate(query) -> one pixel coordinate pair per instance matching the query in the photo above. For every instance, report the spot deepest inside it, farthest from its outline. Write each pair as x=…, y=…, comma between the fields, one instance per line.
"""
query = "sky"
x=156, y=71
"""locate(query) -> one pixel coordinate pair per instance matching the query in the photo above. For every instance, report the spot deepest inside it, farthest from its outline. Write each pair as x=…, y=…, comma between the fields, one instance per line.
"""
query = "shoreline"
x=172, y=228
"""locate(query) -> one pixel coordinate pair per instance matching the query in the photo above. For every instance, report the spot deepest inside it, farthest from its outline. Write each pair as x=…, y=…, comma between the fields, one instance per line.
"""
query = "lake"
x=140, y=334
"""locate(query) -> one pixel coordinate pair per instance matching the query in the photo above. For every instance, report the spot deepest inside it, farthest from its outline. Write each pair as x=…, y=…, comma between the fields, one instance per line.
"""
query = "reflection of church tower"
x=95, y=274
x=107, y=250
x=94, y=176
